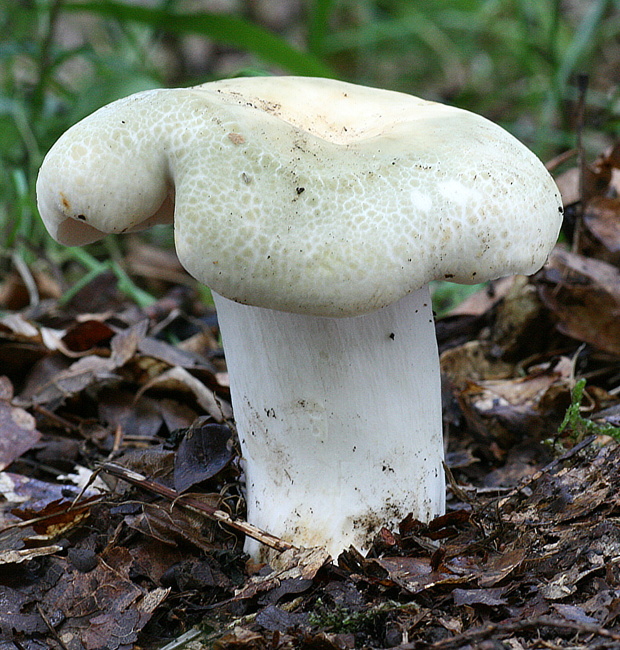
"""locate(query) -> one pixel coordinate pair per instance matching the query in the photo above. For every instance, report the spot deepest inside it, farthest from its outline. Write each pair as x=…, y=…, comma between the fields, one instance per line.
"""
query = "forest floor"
x=107, y=532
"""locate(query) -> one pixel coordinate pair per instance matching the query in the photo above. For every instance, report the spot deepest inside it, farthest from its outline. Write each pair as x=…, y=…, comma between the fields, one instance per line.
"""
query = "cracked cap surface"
x=303, y=194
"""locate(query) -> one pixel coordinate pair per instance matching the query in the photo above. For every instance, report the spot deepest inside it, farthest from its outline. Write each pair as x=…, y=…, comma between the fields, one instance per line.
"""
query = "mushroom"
x=317, y=211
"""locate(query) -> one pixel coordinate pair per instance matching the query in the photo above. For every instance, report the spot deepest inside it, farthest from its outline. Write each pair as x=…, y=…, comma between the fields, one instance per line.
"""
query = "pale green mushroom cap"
x=306, y=195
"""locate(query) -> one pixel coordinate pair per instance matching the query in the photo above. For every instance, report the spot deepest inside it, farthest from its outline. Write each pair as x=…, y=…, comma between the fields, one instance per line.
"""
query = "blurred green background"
x=514, y=61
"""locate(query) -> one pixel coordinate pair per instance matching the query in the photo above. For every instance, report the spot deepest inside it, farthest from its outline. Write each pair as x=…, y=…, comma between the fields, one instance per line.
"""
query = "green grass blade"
x=583, y=40
x=230, y=30
x=318, y=25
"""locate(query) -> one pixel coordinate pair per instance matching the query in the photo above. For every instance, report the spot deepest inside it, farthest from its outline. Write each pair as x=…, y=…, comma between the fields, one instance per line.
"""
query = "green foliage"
x=447, y=295
x=511, y=60
x=578, y=425
x=340, y=620
x=229, y=30
x=46, y=86
x=94, y=268
x=318, y=25
x=40, y=97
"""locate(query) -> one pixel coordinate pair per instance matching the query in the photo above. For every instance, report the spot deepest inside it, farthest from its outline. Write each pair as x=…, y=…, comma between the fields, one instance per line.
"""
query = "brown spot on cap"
x=236, y=138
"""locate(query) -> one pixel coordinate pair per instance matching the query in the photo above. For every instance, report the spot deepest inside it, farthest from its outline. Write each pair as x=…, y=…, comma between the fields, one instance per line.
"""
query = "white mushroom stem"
x=339, y=419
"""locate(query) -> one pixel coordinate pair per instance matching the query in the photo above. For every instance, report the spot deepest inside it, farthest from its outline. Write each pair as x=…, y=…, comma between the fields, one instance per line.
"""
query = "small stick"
x=582, y=85
x=50, y=627
x=491, y=629
x=560, y=159
x=189, y=502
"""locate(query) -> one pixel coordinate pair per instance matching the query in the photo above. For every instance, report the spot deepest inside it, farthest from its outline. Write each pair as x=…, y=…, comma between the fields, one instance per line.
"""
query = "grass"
x=579, y=427
x=511, y=60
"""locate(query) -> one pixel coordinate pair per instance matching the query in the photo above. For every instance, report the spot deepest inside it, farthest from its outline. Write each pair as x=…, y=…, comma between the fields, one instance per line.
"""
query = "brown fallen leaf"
x=55, y=519
x=27, y=554
x=176, y=527
x=584, y=296
x=473, y=361
x=87, y=336
x=205, y=450
x=499, y=566
x=416, y=574
x=139, y=419
x=503, y=412
x=112, y=629
x=574, y=613
x=292, y=564
x=16, y=295
x=101, y=608
x=240, y=639
x=179, y=379
x=155, y=264
x=18, y=427
x=600, y=237
x=487, y=597
x=88, y=371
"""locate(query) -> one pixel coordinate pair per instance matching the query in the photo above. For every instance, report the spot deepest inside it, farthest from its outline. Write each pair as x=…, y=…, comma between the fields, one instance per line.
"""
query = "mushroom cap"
x=303, y=194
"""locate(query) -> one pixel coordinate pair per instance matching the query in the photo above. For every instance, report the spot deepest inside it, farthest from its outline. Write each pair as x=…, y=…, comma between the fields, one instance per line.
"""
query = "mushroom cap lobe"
x=303, y=194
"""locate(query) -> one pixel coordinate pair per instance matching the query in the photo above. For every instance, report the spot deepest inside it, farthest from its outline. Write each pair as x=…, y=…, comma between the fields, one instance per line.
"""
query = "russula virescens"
x=317, y=211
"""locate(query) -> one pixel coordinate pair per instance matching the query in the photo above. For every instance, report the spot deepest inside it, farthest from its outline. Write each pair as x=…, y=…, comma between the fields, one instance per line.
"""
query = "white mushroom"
x=317, y=211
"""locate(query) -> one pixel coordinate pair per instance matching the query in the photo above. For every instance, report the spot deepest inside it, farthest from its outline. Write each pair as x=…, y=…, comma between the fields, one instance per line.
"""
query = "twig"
x=189, y=502
x=491, y=629
x=56, y=419
x=582, y=85
x=456, y=489
x=560, y=159
x=50, y=627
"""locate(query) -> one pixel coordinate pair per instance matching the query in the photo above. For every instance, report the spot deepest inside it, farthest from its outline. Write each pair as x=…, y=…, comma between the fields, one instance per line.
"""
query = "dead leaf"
x=27, y=554
x=416, y=574
x=576, y=614
x=197, y=573
x=154, y=263
x=89, y=371
x=87, y=336
x=487, y=597
x=205, y=450
x=240, y=639
x=291, y=564
x=139, y=418
x=179, y=379
x=274, y=619
x=175, y=526
x=584, y=295
x=600, y=237
x=56, y=518
x=171, y=355
x=18, y=427
x=102, y=608
x=502, y=413
x=16, y=615
x=473, y=361
x=484, y=299
x=519, y=325
x=596, y=179
x=501, y=566
x=116, y=629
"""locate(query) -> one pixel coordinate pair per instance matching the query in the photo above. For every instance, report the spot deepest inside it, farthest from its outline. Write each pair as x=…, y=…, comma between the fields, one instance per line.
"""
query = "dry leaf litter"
x=121, y=518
